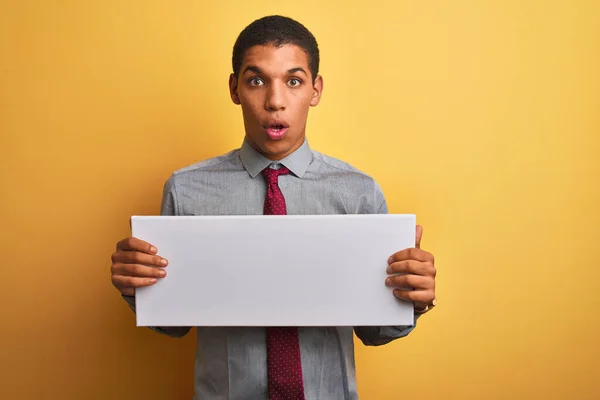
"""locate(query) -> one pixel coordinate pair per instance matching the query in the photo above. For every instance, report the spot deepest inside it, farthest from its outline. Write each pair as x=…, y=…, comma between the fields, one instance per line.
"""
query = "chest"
x=242, y=195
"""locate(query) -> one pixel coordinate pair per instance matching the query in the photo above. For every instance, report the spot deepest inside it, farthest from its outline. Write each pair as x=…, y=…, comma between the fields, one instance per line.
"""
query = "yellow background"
x=482, y=117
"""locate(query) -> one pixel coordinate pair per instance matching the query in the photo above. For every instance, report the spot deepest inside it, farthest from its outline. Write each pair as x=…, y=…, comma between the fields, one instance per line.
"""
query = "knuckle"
x=136, y=270
x=119, y=269
x=116, y=282
x=131, y=270
x=411, y=280
x=135, y=257
x=426, y=266
x=430, y=284
x=430, y=296
x=398, y=281
x=397, y=266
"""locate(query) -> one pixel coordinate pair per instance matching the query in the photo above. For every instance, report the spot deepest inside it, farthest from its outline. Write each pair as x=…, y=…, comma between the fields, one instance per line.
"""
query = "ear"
x=233, y=87
x=317, y=91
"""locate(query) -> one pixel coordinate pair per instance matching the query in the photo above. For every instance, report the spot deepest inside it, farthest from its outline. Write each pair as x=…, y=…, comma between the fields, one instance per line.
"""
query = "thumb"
x=418, y=236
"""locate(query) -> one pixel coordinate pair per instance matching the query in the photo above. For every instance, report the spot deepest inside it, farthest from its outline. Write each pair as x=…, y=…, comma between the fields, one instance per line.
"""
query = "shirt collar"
x=297, y=162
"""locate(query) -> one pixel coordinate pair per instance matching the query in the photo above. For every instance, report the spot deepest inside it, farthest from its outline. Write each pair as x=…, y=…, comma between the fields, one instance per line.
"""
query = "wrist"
x=422, y=308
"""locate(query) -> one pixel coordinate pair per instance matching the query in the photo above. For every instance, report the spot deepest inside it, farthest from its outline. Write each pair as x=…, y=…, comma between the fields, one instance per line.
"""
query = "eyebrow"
x=297, y=69
x=256, y=70
x=252, y=68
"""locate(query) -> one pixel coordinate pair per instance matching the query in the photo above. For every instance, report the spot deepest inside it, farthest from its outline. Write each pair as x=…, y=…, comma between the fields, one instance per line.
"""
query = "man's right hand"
x=136, y=264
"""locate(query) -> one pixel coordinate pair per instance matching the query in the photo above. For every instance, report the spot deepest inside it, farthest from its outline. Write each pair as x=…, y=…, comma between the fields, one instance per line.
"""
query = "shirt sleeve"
x=379, y=335
x=168, y=207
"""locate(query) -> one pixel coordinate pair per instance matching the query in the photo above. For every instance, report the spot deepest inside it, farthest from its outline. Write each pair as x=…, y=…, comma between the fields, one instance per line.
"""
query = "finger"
x=411, y=254
x=135, y=257
x=123, y=282
x=127, y=291
x=137, y=270
x=410, y=282
x=416, y=296
x=135, y=244
x=418, y=236
x=412, y=267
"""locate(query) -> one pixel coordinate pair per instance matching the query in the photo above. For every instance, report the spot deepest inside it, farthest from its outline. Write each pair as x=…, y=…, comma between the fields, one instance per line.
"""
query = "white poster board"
x=326, y=270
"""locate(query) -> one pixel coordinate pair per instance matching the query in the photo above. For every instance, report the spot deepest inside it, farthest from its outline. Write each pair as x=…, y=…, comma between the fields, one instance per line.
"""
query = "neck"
x=277, y=156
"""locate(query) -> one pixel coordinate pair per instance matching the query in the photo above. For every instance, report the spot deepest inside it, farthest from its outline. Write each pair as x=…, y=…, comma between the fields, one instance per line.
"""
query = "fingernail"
x=391, y=259
x=162, y=273
x=152, y=280
x=163, y=261
x=388, y=281
x=153, y=249
x=396, y=292
x=389, y=270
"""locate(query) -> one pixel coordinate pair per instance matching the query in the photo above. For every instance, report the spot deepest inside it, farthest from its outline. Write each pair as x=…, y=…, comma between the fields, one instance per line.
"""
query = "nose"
x=275, y=100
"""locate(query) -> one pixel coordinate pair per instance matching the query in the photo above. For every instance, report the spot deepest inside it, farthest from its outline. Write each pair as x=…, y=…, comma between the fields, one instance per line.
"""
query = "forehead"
x=274, y=59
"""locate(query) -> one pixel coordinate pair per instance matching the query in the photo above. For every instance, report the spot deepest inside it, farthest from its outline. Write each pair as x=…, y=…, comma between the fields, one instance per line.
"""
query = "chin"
x=274, y=148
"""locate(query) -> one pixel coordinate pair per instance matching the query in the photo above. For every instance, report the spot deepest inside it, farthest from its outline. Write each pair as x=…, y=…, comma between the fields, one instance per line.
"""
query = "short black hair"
x=277, y=31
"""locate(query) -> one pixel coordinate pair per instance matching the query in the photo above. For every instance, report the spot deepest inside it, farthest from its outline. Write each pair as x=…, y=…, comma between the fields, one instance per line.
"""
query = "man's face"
x=275, y=89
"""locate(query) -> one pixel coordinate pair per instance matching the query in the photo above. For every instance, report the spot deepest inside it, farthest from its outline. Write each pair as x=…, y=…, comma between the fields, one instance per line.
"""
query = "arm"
x=173, y=331
x=168, y=207
x=379, y=335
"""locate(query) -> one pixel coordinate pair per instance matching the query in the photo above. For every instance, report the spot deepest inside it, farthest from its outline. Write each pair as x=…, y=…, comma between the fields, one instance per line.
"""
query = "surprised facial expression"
x=275, y=89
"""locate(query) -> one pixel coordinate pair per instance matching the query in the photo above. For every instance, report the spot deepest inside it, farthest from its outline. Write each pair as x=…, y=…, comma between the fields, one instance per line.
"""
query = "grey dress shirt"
x=231, y=363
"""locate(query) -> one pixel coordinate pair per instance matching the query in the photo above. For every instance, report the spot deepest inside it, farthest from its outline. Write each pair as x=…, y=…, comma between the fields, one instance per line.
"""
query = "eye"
x=294, y=82
x=256, y=82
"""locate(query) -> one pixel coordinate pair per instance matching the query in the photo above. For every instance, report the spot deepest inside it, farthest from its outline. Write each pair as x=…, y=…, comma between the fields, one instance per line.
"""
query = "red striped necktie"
x=284, y=366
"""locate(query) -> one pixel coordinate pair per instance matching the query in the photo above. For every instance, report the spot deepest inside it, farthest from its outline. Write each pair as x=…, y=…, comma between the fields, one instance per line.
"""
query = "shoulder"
x=213, y=163
x=356, y=182
x=202, y=170
x=331, y=164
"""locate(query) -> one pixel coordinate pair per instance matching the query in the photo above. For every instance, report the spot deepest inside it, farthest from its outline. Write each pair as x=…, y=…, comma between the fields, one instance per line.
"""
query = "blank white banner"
x=325, y=270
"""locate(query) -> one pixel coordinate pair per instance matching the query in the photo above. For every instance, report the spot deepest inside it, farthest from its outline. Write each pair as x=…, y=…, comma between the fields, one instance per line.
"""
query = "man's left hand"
x=417, y=271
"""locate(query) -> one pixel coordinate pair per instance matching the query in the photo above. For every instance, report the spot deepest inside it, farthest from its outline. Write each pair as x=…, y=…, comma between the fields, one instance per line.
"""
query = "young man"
x=275, y=80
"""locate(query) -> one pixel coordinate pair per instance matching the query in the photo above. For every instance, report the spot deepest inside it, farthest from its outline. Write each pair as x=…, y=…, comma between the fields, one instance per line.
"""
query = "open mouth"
x=276, y=130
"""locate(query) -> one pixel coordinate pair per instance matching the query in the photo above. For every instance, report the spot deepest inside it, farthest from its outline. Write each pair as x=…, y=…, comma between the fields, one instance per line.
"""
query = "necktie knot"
x=272, y=175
